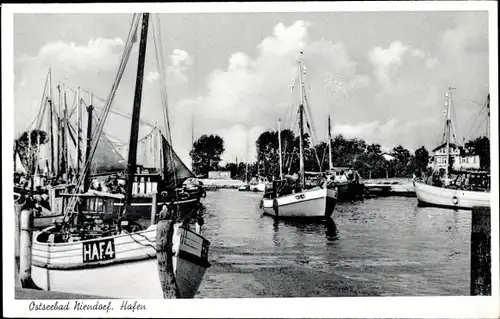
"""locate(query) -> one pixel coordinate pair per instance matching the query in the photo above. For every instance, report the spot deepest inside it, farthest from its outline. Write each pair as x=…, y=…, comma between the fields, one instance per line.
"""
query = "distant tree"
x=401, y=165
x=27, y=145
x=480, y=146
x=374, y=149
x=268, y=152
x=206, y=154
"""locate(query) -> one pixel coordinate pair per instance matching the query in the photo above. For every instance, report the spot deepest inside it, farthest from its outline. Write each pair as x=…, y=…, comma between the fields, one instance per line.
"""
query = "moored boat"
x=101, y=251
x=451, y=188
x=473, y=191
x=292, y=198
x=115, y=264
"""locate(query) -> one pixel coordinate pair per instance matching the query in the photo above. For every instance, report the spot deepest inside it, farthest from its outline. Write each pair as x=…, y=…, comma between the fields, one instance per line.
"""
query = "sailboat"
x=246, y=186
x=96, y=251
x=466, y=190
x=300, y=201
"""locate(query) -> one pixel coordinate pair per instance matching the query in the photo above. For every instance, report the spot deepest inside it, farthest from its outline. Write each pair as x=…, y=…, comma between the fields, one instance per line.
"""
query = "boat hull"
x=309, y=204
x=258, y=187
x=452, y=198
x=133, y=273
x=350, y=191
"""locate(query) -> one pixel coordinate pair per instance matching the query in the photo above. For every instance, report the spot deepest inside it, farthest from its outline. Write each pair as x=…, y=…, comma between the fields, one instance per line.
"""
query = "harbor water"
x=376, y=247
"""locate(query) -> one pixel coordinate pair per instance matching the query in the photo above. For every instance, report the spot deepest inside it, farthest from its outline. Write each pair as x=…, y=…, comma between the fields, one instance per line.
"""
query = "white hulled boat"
x=466, y=190
x=118, y=265
x=299, y=201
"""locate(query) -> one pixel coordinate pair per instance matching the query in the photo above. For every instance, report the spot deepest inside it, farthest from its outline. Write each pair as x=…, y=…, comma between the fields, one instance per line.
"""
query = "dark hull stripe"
x=455, y=207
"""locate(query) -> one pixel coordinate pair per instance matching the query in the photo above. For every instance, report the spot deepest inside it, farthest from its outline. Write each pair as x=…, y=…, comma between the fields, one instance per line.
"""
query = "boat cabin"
x=472, y=181
x=344, y=175
x=92, y=208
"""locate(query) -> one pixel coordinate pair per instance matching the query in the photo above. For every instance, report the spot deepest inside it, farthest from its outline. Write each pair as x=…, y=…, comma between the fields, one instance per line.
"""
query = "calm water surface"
x=388, y=246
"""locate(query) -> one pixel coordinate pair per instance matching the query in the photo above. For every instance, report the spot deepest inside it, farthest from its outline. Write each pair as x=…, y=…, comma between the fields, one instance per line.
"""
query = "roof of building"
x=452, y=145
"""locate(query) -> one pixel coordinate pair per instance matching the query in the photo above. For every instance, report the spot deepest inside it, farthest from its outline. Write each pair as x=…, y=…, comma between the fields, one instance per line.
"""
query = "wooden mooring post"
x=164, y=255
x=17, y=239
x=26, y=244
x=480, y=244
x=154, y=206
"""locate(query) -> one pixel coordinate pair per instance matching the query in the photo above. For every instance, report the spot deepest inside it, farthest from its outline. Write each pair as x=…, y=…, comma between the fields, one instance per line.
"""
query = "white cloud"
x=431, y=62
x=181, y=61
x=152, y=76
x=239, y=143
x=180, y=58
x=387, y=62
x=371, y=132
x=97, y=53
x=252, y=92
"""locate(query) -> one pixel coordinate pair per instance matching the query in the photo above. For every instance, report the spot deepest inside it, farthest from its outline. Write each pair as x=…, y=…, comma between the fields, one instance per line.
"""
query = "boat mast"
x=86, y=181
x=59, y=124
x=51, y=133
x=330, y=164
x=488, y=117
x=134, y=130
x=301, y=126
x=64, y=155
x=279, y=149
x=78, y=131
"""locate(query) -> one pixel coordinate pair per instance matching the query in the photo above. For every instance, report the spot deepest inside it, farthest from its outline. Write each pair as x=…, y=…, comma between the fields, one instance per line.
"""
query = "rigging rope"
x=114, y=88
x=160, y=63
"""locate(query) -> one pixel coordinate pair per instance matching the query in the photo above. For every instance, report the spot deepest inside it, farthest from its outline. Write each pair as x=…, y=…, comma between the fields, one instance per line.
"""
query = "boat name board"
x=98, y=250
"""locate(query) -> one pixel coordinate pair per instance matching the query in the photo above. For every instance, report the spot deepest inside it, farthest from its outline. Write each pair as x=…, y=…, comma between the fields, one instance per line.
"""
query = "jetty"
x=390, y=187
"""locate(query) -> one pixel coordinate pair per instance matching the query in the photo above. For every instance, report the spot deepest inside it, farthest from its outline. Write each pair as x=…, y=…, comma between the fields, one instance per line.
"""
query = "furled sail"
x=106, y=158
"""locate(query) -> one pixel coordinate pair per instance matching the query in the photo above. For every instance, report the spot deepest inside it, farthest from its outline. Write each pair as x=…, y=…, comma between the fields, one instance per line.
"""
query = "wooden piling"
x=154, y=205
x=17, y=210
x=480, y=273
x=164, y=255
x=26, y=244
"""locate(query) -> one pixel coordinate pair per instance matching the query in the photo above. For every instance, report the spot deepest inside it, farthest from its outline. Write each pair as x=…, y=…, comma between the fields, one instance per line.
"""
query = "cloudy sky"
x=380, y=75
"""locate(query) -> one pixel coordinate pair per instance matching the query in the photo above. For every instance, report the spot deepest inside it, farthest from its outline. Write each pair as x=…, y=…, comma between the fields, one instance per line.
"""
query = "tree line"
x=368, y=159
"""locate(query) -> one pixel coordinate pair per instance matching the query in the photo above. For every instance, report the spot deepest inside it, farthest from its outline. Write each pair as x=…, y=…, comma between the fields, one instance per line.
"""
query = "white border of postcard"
x=376, y=307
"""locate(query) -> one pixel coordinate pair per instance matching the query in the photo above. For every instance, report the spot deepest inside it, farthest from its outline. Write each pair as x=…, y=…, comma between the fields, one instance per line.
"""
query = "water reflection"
x=304, y=228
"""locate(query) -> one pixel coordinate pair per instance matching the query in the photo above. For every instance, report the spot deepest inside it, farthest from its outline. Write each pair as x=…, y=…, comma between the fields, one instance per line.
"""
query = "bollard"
x=26, y=243
x=164, y=255
x=154, y=201
x=480, y=244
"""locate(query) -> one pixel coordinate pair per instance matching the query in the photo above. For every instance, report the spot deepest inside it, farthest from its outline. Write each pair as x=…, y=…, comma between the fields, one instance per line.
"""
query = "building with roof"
x=461, y=160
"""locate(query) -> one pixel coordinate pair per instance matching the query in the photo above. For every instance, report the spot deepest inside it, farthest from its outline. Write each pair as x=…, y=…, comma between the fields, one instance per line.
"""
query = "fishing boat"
x=348, y=183
x=109, y=263
x=466, y=190
x=246, y=186
x=292, y=198
x=98, y=251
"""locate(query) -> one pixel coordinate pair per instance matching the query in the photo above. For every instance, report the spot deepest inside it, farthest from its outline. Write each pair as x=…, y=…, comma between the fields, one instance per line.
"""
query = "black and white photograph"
x=261, y=159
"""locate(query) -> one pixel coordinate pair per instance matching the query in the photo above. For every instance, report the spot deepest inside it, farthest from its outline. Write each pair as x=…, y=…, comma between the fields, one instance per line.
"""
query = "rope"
x=114, y=88
x=160, y=63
